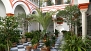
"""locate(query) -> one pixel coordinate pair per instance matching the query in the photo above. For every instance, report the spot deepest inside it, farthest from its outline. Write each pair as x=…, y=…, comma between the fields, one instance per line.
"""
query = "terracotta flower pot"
x=45, y=49
x=28, y=39
x=23, y=40
x=35, y=46
x=14, y=44
x=28, y=48
x=59, y=20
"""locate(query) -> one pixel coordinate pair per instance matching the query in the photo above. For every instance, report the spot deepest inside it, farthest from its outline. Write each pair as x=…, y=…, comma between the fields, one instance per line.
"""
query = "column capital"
x=83, y=5
x=83, y=10
x=9, y=14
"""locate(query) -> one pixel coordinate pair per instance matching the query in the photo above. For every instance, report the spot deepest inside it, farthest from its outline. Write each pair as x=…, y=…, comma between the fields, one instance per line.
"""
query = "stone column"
x=84, y=24
x=53, y=18
x=83, y=8
x=53, y=1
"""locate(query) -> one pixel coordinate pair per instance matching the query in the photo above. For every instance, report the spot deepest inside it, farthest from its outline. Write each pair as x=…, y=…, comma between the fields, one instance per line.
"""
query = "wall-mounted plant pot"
x=59, y=20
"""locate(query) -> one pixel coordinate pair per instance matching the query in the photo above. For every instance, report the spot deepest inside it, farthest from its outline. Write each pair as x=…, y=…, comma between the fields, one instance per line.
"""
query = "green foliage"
x=44, y=19
x=28, y=35
x=74, y=43
x=53, y=39
x=48, y=42
x=36, y=36
x=49, y=3
x=56, y=32
x=69, y=13
x=8, y=31
x=23, y=21
x=34, y=41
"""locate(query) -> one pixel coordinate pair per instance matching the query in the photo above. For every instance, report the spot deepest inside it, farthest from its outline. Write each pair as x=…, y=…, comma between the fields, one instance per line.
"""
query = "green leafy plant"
x=56, y=32
x=28, y=35
x=44, y=19
x=70, y=14
x=48, y=42
x=74, y=43
x=23, y=21
x=49, y=3
x=9, y=31
x=53, y=39
x=34, y=41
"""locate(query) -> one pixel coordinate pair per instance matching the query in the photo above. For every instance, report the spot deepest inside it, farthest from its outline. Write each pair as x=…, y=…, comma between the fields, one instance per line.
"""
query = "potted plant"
x=71, y=15
x=35, y=39
x=53, y=39
x=28, y=48
x=56, y=32
x=74, y=43
x=48, y=42
x=23, y=39
x=9, y=30
x=47, y=45
x=34, y=42
x=29, y=36
x=59, y=20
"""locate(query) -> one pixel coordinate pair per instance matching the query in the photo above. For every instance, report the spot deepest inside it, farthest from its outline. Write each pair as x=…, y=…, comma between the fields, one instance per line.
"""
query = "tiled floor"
x=22, y=47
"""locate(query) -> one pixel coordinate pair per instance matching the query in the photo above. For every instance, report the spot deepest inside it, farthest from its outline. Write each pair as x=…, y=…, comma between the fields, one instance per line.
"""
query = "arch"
x=7, y=5
x=34, y=12
x=19, y=10
x=26, y=9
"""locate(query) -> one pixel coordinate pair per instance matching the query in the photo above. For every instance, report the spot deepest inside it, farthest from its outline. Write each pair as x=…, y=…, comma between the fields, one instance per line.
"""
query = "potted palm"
x=47, y=42
x=43, y=19
x=47, y=45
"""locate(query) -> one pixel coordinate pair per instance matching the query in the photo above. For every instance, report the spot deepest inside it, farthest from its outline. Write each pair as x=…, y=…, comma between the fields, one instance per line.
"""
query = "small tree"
x=23, y=21
x=70, y=14
x=8, y=30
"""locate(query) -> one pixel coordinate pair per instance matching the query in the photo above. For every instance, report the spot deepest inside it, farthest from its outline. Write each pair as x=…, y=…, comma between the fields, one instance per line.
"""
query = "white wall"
x=83, y=1
x=80, y=1
x=33, y=26
x=61, y=27
x=2, y=9
x=75, y=2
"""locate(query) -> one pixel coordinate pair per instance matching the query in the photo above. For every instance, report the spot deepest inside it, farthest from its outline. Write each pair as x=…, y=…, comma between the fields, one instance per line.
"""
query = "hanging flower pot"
x=59, y=20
